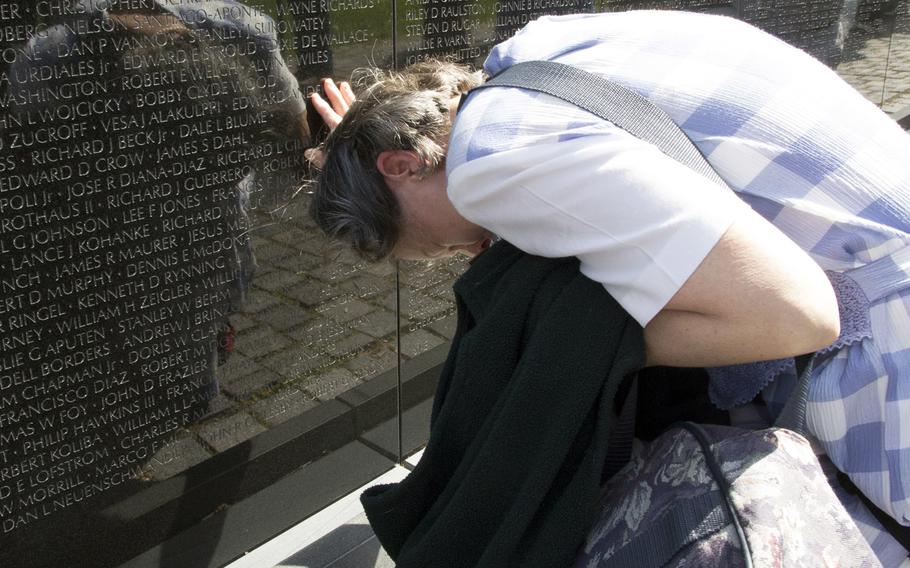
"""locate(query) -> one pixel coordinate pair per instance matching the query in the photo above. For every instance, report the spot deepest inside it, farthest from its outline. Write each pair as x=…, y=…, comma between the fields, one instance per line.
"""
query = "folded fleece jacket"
x=512, y=470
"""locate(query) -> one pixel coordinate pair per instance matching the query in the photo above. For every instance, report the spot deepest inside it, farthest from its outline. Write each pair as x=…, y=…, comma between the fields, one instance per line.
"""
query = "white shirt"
x=638, y=221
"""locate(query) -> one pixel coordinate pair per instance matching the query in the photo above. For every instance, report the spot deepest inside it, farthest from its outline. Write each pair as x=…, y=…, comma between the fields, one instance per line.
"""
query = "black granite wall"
x=165, y=305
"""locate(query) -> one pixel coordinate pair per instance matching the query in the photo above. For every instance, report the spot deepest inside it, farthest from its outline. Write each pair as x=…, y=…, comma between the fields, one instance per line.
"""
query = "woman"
x=739, y=281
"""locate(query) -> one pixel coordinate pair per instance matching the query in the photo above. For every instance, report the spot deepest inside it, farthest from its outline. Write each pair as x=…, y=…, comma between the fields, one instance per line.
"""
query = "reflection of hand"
x=339, y=97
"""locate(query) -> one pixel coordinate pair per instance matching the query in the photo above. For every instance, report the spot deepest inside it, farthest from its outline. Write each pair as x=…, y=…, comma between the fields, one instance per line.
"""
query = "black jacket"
x=512, y=470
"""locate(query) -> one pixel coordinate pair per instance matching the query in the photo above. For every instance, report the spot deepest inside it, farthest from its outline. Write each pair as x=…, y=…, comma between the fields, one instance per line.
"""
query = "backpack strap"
x=619, y=441
x=793, y=416
x=610, y=101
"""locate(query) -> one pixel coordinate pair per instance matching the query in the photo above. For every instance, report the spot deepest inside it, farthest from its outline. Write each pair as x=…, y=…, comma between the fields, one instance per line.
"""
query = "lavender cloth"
x=734, y=385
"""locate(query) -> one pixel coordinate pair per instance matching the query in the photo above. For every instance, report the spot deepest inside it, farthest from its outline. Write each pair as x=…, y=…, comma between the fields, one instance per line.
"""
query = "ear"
x=398, y=165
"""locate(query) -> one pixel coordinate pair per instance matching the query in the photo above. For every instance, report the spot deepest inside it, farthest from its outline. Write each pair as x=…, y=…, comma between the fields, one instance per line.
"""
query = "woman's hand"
x=339, y=97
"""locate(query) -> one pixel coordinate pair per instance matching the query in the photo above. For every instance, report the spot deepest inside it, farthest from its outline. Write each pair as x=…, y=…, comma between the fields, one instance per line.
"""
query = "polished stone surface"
x=164, y=298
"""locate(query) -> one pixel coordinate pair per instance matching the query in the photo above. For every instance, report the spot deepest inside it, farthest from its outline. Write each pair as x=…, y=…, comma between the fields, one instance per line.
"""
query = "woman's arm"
x=711, y=281
x=755, y=296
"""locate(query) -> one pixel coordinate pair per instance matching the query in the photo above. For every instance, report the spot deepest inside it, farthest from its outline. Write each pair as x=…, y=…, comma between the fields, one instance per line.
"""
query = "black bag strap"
x=619, y=442
x=793, y=416
x=610, y=101
x=691, y=519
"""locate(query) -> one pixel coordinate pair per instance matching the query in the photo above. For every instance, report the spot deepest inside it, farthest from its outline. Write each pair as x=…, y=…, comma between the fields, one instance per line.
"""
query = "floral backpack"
x=705, y=496
x=709, y=495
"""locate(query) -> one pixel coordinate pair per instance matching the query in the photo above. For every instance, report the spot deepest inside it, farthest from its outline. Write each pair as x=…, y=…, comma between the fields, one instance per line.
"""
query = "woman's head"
x=405, y=115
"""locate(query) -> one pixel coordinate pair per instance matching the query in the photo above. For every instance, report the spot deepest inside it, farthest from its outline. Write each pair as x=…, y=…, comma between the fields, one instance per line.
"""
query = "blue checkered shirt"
x=799, y=146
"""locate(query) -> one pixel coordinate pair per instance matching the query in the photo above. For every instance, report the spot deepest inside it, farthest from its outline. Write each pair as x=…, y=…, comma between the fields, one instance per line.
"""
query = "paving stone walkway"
x=877, y=60
x=882, y=75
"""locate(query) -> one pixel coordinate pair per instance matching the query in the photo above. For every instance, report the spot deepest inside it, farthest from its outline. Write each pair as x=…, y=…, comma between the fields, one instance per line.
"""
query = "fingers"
x=334, y=96
x=328, y=114
x=339, y=104
x=346, y=92
x=340, y=95
x=339, y=98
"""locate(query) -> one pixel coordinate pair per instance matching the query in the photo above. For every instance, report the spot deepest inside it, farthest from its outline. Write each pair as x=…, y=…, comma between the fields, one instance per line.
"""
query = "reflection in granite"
x=135, y=139
x=319, y=322
x=150, y=150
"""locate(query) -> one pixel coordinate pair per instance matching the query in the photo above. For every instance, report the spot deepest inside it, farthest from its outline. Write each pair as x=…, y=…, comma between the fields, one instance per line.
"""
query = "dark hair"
x=405, y=110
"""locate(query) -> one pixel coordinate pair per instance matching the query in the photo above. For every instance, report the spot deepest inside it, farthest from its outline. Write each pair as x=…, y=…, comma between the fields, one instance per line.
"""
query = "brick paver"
x=176, y=456
x=880, y=70
x=228, y=431
x=281, y=405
